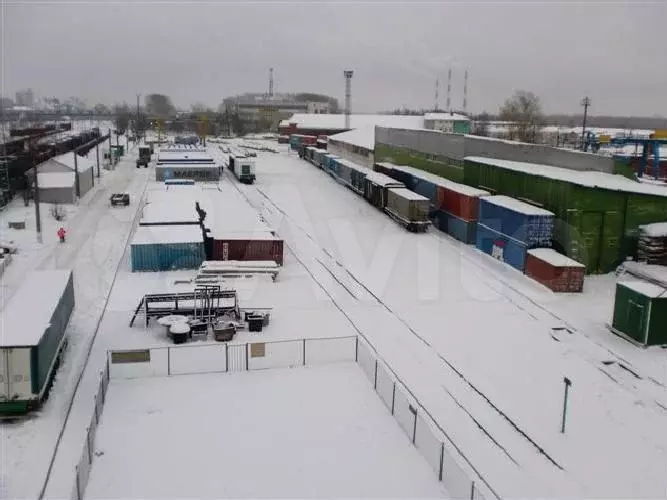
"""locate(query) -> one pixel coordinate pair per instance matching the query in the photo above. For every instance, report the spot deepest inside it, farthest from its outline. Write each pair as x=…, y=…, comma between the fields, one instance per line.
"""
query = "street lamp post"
x=585, y=102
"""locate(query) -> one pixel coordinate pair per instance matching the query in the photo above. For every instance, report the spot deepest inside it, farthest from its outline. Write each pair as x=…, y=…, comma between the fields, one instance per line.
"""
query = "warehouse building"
x=57, y=178
x=447, y=122
x=330, y=124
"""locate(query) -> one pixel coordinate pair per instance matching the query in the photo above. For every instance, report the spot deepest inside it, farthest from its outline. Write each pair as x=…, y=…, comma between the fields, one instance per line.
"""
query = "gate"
x=237, y=357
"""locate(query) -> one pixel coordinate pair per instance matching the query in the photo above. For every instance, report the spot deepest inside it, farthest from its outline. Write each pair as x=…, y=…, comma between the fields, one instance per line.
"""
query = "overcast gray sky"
x=203, y=51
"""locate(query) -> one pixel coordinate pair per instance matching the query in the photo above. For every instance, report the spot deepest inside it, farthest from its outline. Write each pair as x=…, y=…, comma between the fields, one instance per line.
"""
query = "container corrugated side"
x=558, y=279
x=533, y=230
x=464, y=231
x=458, y=204
x=166, y=256
x=501, y=247
x=248, y=249
x=408, y=209
x=43, y=355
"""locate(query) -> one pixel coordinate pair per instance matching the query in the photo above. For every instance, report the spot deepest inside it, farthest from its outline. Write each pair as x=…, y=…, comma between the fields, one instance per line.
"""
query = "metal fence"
x=82, y=469
x=222, y=358
x=457, y=474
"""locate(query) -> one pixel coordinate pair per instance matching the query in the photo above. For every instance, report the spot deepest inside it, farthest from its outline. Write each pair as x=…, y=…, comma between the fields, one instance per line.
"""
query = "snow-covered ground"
x=311, y=432
x=95, y=243
x=473, y=336
x=482, y=347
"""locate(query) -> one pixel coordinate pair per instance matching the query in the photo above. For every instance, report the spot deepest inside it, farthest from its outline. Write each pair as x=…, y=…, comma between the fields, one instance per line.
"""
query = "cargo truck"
x=33, y=338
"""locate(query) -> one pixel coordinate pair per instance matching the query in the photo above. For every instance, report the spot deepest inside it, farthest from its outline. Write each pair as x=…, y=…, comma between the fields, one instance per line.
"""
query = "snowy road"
x=96, y=241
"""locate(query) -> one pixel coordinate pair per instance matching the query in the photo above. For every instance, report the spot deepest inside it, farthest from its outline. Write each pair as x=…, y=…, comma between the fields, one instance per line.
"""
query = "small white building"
x=57, y=178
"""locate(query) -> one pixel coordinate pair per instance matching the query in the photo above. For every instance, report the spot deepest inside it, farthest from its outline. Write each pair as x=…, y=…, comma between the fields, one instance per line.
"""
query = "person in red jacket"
x=61, y=234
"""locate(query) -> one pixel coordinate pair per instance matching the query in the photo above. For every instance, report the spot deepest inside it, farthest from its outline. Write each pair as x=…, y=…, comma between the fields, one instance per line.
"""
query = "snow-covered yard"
x=315, y=432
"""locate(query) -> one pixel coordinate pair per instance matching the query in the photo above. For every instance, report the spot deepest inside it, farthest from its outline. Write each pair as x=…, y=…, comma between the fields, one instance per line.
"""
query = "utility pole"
x=437, y=94
x=449, y=90
x=568, y=383
x=97, y=154
x=137, y=133
x=585, y=102
x=38, y=219
x=110, y=155
x=76, y=175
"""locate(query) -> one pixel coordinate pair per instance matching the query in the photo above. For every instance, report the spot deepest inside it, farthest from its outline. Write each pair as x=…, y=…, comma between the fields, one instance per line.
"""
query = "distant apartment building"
x=25, y=97
x=260, y=111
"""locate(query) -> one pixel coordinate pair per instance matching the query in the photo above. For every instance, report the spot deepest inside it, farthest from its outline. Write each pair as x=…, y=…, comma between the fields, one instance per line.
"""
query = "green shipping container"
x=640, y=312
x=446, y=167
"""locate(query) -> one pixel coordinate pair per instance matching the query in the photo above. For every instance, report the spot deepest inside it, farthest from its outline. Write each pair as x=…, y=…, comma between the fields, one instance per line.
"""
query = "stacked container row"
x=507, y=228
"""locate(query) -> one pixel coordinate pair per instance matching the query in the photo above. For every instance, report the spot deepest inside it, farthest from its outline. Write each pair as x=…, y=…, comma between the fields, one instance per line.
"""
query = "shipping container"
x=409, y=209
x=358, y=175
x=308, y=153
x=201, y=172
x=167, y=248
x=555, y=271
x=243, y=168
x=598, y=214
x=318, y=157
x=640, y=312
x=375, y=190
x=462, y=230
x=501, y=247
x=328, y=162
x=531, y=225
x=343, y=171
x=460, y=200
x=33, y=336
x=248, y=247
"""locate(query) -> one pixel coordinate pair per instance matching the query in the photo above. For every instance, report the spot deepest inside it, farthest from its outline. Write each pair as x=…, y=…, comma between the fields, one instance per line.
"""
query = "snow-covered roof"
x=170, y=212
x=47, y=180
x=355, y=166
x=194, y=165
x=361, y=137
x=586, y=178
x=437, y=180
x=147, y=235
x=450, y=117
x=231, y=217
x=82, y=162
x=516, y=205
x=383, y=180
x=241, y=235
x=186, y=155
x=655, y=230
x=554, y=258
x=645, y=288
x=407, y=194
x=327, y=121
x=28, y=314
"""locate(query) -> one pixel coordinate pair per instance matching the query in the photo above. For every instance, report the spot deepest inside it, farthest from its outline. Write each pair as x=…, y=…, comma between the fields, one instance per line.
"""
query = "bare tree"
x=121, y=118
x=480, y=125
x=159, y=105
x=524, y=112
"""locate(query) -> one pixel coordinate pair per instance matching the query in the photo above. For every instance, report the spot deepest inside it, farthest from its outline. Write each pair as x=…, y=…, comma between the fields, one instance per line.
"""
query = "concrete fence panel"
x=275, y=354
x=331, y=350
x=405, y=411
x=366, y=359
x=197, y=359
x=429, y=443
x=455, y=480
x=385, y=385
x=138, y=363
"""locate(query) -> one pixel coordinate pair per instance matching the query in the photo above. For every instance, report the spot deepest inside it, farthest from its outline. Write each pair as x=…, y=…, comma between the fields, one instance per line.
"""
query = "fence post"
x=226, y=357
x=304, y=352
x=356, y=350
x=472, y=490
x=247, y=366
x=78, y=486
x=97, y=411
x=375, y=377
x=393, y=398
x=90, y=452
x=414, y=427
x=168, y=361
x=442, y=460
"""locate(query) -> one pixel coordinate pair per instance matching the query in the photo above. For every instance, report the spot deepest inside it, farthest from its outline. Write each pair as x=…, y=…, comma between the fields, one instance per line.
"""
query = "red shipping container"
x=555, y=271
x=460, y=201
x=254, y=247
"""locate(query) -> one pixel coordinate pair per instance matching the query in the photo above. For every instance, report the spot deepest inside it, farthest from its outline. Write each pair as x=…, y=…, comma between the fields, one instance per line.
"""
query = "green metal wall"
x=635, y=315
x=461, y=127
x=443, y=166
x=597, y=227
x=630, y=313
x=657, y=330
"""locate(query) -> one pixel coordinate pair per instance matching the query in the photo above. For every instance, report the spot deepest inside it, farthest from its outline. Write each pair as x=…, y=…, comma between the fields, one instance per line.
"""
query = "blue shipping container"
x=501, y=247
x=531, y=225
x=457, y=228
x=166, y=256
x=426, y=189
